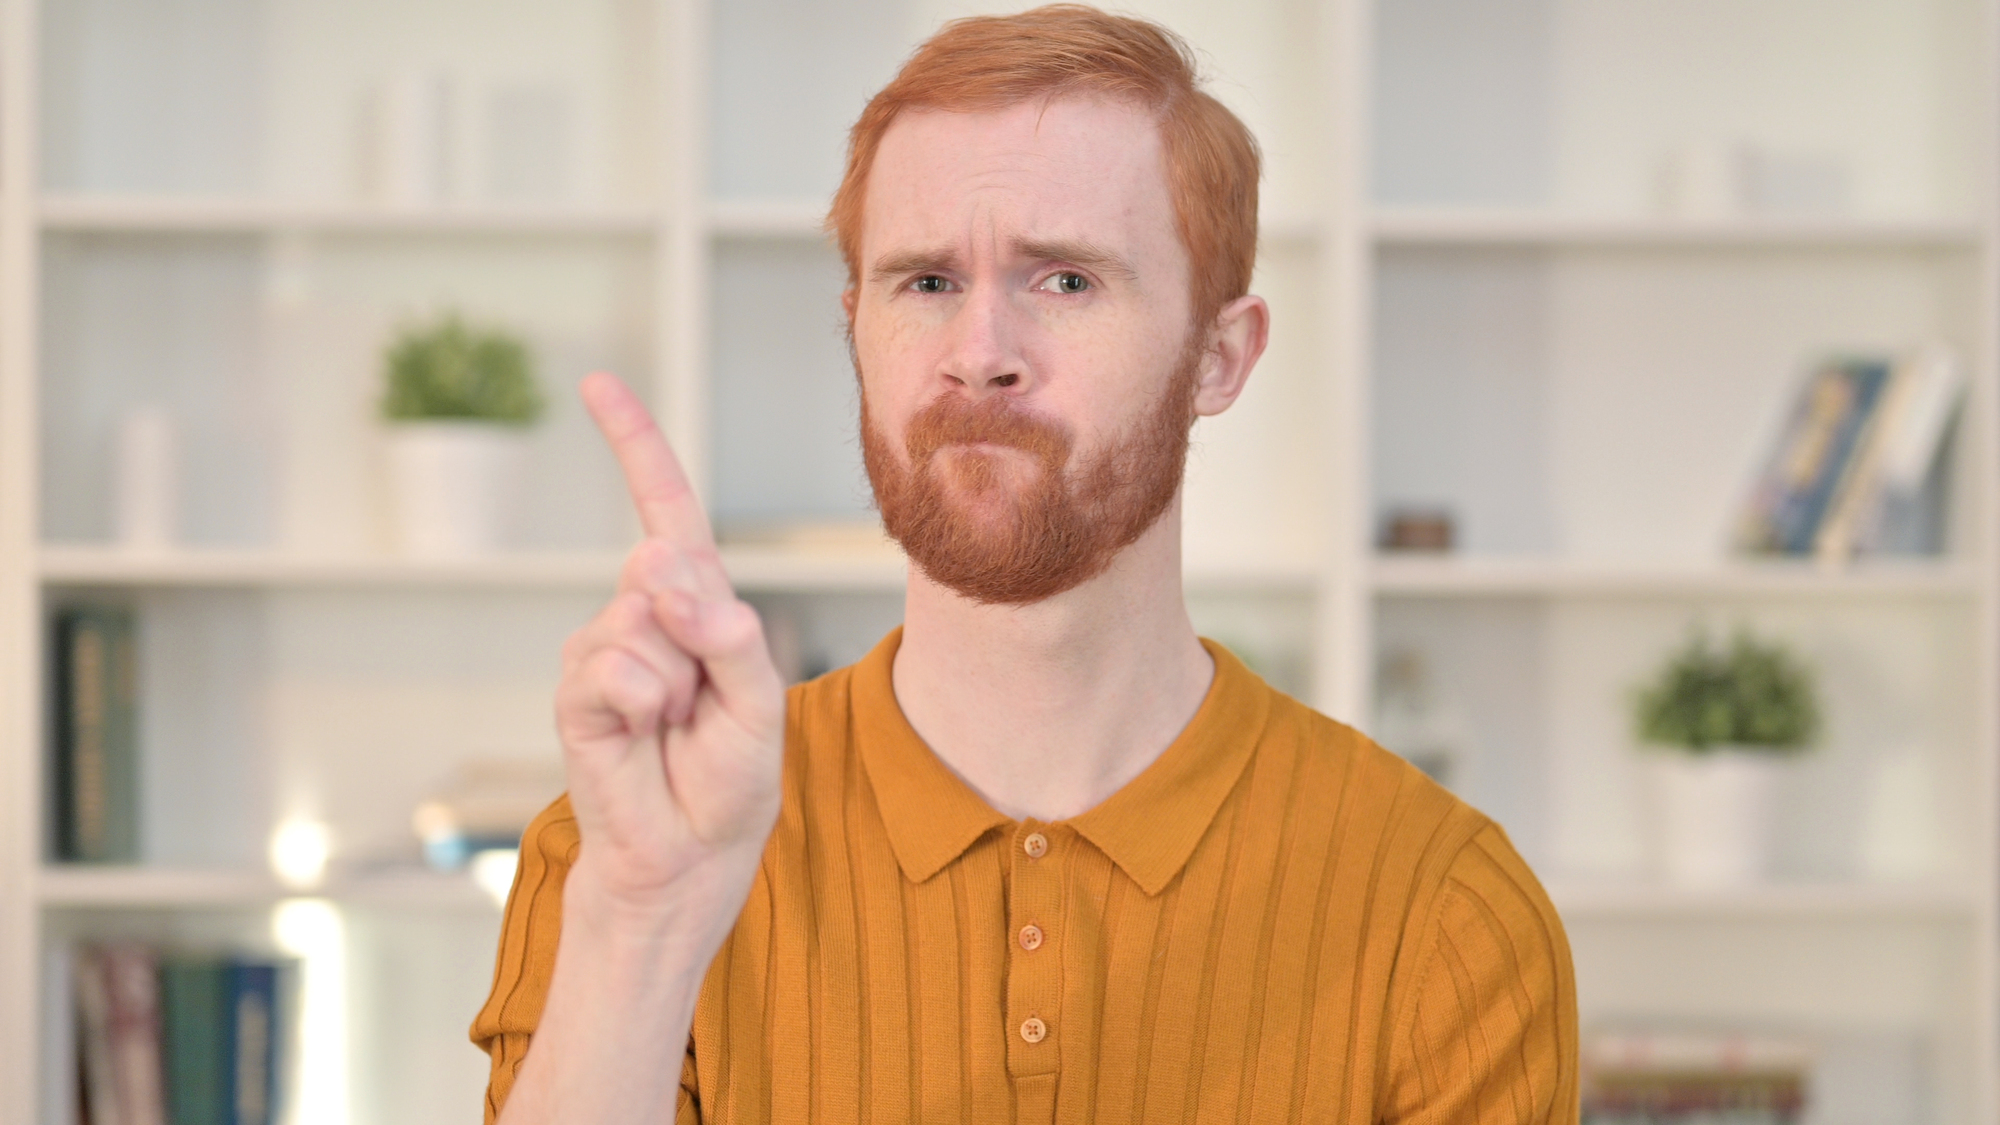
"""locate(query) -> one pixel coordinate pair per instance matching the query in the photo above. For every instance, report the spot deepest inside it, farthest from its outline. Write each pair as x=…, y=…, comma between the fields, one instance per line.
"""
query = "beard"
x=988, y=505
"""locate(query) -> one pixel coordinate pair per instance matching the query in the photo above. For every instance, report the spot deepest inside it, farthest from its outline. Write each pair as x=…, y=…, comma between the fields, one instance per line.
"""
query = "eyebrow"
x=1077, y=252
x=1074, y=251
x=912, y=261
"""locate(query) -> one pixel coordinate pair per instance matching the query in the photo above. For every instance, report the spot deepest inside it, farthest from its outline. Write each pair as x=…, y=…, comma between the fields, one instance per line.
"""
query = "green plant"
x=446, y=369
x=1751, y=694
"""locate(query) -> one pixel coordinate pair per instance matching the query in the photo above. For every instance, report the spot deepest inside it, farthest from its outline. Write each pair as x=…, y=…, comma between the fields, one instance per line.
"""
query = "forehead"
x=1072, y=167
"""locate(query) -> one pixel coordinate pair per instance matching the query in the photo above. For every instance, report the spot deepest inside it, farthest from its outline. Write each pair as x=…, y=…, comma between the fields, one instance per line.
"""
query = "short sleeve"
x=529, y=931
x=1488, y=1033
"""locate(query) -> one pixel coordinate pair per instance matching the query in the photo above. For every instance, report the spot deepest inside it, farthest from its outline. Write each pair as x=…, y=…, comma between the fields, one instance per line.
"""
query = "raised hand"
x=670, y=711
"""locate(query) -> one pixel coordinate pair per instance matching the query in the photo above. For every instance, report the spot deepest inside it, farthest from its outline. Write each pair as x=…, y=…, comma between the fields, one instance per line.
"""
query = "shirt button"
x=1031, y=937
x=1036, y=845
x=1034, y=1030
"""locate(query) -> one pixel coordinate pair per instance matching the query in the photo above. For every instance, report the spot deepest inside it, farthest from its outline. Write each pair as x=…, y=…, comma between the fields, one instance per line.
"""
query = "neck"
x=1047, y=709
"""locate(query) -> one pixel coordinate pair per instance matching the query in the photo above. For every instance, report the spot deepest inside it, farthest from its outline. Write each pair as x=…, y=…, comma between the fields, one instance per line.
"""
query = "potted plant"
x=1723, y=719
x=458, y=400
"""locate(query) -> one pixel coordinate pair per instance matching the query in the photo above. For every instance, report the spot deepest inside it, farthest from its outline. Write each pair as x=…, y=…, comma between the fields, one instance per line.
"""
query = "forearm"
x=609, y=1046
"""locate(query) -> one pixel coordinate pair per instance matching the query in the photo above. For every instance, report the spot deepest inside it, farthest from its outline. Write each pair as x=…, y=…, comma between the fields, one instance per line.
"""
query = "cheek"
x=894, y=355
x=1119, y=373
x=888, y=373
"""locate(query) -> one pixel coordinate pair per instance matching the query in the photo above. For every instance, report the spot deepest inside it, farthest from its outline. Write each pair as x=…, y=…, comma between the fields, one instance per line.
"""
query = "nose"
x=985, y=356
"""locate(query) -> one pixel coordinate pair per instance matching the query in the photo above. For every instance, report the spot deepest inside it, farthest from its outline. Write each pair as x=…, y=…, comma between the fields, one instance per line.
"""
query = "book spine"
x=253, y=1048
x=1859, y=488
x=93, y=1034
x=133, y=974
x=1849, y=396
x=195, y=1024
x=96, y=745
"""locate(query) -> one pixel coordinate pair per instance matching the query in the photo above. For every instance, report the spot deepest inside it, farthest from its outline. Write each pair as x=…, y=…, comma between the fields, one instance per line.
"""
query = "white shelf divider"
x=1532, y=577
x=1584, y=902
x=139, y=887
x=754, y=569
x=1476, y=227
x=199, y=215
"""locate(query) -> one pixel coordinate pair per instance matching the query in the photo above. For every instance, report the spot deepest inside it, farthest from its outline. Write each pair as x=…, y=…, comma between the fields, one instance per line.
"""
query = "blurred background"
x=1624, y=457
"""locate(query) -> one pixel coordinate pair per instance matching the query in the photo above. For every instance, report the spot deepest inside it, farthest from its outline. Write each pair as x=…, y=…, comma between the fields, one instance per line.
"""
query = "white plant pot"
x=1715, y=816
x=452, y=485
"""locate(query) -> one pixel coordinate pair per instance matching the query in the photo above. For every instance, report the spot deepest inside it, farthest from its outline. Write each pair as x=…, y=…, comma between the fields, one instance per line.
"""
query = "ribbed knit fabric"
x=1277, y=921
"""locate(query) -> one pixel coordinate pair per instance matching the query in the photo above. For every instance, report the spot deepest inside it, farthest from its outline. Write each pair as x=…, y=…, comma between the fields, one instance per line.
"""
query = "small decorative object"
x=1729, y=715
x=148, y=511
x=1412, y=719
x=408, y=161
x=484, y=806
x=1688, y=1076
x=1417, y=529
x=457, y=401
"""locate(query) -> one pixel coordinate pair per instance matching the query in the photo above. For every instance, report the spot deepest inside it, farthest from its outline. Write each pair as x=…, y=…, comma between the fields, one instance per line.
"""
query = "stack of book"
x=96, y=735
x=1852, y=470
x=1679, y=1078
x=171, y=1039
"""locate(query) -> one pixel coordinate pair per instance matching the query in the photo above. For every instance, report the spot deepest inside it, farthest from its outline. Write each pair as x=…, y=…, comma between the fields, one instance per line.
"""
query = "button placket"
x=1034, y=972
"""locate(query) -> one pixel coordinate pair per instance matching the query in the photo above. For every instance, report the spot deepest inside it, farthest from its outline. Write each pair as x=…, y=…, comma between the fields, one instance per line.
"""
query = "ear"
x=847, y=303
x=1235, y=341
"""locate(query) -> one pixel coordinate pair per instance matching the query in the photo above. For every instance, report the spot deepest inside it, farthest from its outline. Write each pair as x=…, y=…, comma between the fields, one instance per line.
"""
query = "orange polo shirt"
x=1278, y=921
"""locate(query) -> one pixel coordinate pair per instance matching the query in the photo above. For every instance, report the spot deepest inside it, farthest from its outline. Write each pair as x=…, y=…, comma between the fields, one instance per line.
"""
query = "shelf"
x=1453, y=227
x=1461, y=577
x=1807, y=901
x=753, y=569
x=196, y=215
x=801, y=219
x=111, y=888
x=110, y=566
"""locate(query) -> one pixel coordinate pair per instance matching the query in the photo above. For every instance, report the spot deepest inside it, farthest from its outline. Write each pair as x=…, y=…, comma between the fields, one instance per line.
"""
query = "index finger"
x=667, y=506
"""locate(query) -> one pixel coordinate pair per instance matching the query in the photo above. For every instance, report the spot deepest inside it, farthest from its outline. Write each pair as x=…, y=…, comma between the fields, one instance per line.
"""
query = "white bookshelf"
x=1467, y=227
x=1529, y=577
x=1478, y=303
x=146, y=888
x=1826, y=902
x=197, y=215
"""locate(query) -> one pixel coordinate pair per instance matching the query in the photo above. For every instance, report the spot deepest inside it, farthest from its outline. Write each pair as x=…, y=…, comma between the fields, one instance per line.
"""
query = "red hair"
x=992, y=62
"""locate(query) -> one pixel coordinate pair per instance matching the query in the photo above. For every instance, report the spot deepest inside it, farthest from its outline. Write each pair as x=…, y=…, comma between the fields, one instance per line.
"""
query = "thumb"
x=727, y=637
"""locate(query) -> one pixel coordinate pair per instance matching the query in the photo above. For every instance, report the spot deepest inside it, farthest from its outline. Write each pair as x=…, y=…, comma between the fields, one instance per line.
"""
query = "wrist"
x=687, y=919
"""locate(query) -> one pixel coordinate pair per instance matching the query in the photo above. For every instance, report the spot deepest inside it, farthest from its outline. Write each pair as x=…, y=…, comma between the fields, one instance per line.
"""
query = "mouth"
x=982, y=446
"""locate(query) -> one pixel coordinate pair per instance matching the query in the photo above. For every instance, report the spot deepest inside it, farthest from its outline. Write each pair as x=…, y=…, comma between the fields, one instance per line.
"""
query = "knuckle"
x=646, y=560
x=628, y=682
x=737, y=624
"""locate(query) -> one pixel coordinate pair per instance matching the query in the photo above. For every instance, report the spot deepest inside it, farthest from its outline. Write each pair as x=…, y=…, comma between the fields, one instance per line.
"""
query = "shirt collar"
x=1149, y=828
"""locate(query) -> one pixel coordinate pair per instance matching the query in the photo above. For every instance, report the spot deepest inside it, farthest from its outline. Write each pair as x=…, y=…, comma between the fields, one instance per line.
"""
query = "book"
x=1881, y=505
x=194, y=1000
x=1670, y=1078
x=222, y=1040
x=119, y=1041
x=1813, y=456
x=96, y=767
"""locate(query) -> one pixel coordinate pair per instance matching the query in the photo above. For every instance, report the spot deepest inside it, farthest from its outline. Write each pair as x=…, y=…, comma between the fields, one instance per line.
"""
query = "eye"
x=1067, y=281
x=930, y=283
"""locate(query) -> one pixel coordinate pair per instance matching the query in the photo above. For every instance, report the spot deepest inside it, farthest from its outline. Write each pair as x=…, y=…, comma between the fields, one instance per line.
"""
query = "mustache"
x=950, y=419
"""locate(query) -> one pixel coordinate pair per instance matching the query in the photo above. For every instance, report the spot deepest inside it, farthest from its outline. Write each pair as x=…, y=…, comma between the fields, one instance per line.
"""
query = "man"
x=1044, y=854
